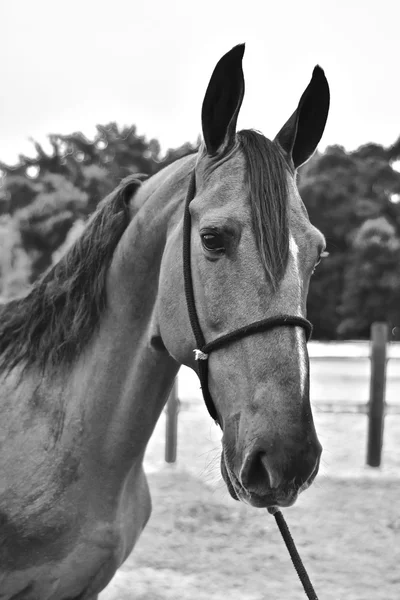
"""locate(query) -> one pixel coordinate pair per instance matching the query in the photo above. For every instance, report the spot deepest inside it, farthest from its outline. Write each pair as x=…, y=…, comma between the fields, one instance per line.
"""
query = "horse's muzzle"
x=264, y=485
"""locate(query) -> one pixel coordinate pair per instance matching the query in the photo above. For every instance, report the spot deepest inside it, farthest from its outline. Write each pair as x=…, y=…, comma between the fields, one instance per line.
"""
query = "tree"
x=341, y=191
x=372, y=280
x=44, y=224
x=14, y=261
x=49, y=192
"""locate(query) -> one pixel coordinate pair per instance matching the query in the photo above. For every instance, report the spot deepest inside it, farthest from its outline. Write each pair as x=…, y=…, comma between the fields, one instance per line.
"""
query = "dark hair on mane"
x=267, y=172
x=54, y=322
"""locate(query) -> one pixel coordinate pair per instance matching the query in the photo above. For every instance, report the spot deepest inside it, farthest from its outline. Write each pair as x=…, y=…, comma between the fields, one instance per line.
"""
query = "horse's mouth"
x=269, y=500
x=228, y=478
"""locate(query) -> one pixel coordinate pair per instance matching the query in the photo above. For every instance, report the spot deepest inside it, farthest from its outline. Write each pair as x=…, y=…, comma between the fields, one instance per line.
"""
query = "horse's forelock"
x=266, y=177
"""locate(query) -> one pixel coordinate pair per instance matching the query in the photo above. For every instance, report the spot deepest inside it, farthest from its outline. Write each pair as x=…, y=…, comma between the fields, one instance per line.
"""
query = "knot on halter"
x=199, y=355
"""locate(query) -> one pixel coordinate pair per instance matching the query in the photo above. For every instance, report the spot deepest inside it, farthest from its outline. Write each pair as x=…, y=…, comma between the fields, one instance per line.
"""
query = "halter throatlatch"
x=203, y=350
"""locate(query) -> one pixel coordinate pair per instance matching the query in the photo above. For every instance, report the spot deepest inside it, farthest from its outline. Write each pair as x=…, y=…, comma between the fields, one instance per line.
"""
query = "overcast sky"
x=66, y=66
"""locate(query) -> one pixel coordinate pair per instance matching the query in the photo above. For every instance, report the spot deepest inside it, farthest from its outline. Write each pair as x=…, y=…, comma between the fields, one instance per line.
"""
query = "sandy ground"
x=200, y=544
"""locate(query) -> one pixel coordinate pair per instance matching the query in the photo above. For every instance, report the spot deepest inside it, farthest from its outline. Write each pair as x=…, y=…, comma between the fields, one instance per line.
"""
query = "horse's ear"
x=300, y=135
x=222, y=102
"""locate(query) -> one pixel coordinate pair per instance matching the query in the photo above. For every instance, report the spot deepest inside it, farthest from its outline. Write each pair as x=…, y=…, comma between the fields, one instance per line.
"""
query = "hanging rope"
x=294, y=555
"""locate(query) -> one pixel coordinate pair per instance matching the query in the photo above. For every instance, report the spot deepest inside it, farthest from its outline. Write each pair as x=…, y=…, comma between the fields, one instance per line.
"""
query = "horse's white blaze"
x=294, y=254
x=301, y=353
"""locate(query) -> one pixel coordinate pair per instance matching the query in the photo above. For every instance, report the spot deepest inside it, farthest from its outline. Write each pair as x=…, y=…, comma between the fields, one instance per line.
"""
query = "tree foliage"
x=352, y=197
x=14, y=262
x=47, y=193
x=372, y=280
x=342, y=192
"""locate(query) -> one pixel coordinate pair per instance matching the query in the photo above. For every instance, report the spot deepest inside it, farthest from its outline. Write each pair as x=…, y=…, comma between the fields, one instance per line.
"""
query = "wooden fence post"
x=376, y=406
x=171, y=425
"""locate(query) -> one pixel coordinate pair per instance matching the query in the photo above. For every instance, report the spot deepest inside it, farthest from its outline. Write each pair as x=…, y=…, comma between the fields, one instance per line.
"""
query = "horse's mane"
x=267, y=172
x=54, y=322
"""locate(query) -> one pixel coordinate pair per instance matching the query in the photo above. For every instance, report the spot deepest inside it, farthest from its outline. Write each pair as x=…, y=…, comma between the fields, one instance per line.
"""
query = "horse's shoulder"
x=37, y=468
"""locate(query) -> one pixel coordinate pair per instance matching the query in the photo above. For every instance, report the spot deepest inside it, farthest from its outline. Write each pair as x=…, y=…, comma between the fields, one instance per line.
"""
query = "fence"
x=378, y=352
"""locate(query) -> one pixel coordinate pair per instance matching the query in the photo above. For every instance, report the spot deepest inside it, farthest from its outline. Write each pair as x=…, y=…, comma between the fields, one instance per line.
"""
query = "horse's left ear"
x=222, y=102
x=300, y=135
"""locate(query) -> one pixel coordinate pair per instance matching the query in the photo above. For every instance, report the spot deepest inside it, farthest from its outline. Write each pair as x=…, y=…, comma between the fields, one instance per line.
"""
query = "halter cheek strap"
x=203, y=350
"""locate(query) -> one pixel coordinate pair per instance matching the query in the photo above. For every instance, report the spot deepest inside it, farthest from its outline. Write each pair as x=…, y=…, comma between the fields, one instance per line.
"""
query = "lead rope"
x=294, y=555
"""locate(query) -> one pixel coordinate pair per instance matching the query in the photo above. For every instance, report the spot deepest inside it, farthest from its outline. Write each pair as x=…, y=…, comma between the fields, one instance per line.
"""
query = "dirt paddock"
x=201, y=545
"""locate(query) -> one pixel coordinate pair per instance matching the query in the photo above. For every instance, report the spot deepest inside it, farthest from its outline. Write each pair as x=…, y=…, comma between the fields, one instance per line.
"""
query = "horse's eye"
x=323, y=254
x=214, y=242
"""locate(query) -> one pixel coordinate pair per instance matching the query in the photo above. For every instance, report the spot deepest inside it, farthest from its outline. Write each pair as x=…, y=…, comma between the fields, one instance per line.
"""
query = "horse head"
x=252, y=253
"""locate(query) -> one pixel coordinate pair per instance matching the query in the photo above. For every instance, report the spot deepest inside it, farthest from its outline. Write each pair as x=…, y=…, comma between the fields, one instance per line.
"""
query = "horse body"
x=88, y=358
x=75, y=498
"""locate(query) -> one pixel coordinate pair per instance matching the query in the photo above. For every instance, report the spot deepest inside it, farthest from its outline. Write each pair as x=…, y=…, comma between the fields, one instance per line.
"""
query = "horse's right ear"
x=222, y=102
x=300, y=135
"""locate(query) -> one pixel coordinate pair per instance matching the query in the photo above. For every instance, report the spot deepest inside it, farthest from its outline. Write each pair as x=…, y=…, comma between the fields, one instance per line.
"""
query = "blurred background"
x=91, y=92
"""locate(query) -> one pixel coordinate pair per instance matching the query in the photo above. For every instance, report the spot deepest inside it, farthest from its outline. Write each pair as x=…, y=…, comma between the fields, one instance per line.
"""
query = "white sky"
x=66, y=66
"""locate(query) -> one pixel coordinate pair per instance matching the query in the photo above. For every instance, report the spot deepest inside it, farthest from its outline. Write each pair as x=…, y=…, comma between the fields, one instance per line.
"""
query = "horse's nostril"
x=275, y=478
x=257, y=471
x=262, y=473
x=305, y=473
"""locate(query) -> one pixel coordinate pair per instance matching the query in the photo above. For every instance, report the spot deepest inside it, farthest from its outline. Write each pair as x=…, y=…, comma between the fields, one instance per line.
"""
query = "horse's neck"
x=123, y=379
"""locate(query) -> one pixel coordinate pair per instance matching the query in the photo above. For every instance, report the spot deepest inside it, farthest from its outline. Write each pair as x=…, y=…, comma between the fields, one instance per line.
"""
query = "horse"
x=88, y=357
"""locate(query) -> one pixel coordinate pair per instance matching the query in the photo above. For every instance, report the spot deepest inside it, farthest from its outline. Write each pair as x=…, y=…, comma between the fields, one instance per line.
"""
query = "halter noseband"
x=203, y=350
